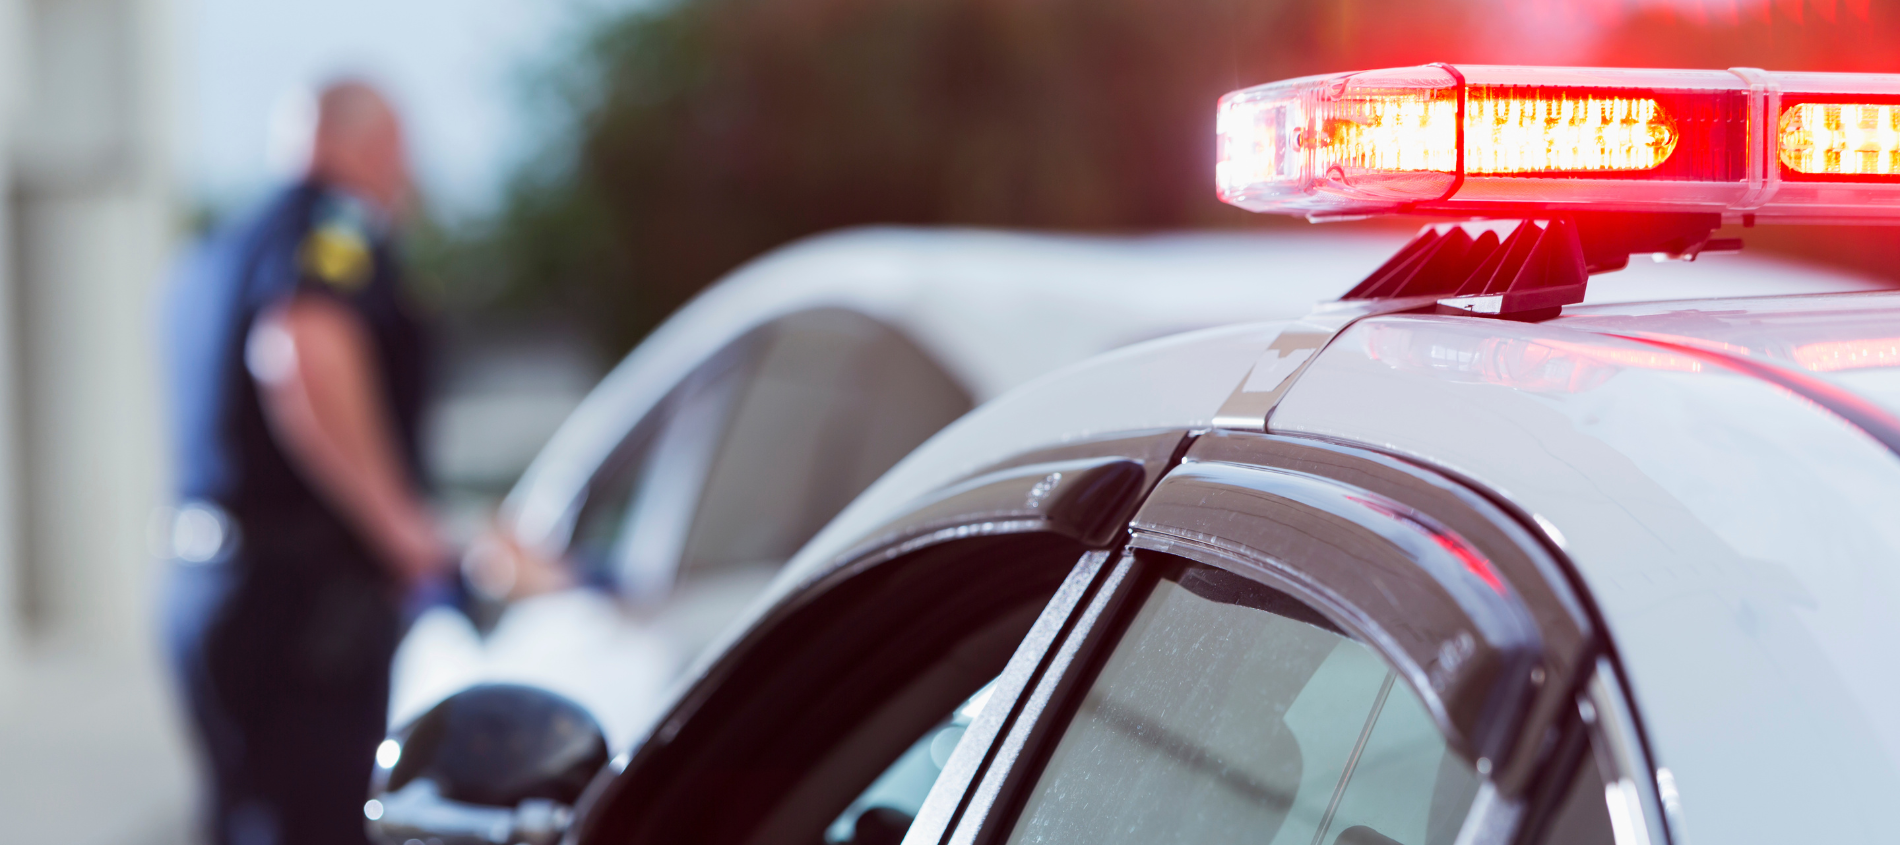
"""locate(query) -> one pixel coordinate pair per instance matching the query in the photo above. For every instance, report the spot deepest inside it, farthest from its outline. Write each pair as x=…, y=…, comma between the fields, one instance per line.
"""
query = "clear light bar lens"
x=1382, y=137
x=1389, y=139
x=1550, y=140
x=1845, y=139
x=1387, y=133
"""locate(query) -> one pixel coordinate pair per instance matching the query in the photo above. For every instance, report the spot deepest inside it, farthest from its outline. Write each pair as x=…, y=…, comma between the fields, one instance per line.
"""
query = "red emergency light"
x=1524, y=142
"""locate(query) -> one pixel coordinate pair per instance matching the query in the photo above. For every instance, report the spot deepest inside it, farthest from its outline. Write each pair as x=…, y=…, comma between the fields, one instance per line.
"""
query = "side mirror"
x=495, y=764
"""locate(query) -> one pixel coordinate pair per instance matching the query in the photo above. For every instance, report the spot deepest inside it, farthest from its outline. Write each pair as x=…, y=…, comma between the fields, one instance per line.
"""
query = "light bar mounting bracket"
x=1530, y=269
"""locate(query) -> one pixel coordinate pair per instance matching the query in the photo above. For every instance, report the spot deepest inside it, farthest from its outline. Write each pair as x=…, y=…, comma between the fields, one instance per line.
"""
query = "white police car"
x=1453, y=560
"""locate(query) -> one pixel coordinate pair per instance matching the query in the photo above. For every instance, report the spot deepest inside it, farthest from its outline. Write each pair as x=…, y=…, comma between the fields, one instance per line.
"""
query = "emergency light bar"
x=1531, y=141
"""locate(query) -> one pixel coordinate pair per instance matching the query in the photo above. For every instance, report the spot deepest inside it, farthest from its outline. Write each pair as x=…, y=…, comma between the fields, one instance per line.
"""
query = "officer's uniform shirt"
x=284, y=626
x=307, y=240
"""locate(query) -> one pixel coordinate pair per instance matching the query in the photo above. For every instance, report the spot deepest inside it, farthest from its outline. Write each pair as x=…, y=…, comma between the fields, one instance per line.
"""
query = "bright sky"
x=455, y=67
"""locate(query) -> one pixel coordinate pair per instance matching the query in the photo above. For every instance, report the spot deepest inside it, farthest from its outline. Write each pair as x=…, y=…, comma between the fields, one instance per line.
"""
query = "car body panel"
x=1651, y=469
x=1850, y=341
x=1740, y=542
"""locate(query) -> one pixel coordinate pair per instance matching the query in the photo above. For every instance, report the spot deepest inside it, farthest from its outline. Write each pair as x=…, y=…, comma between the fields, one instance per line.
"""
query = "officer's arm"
x=312, y=361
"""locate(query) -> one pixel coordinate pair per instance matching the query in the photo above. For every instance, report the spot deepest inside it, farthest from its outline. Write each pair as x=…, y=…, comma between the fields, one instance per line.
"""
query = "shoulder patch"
x=337, y=255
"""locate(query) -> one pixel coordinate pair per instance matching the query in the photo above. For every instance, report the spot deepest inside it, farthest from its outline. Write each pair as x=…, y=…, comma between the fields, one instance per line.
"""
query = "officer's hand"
x=420, y=555
x=503, y=569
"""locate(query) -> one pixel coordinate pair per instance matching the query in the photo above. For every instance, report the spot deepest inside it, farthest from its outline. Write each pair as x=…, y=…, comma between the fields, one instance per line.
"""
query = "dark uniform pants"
x=284, y=659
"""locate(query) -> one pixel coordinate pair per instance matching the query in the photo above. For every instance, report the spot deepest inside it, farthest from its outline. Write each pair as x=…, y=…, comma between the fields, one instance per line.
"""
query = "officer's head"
x=358, y=144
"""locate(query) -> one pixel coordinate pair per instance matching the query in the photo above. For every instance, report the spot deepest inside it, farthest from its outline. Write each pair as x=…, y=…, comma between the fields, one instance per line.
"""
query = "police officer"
x=298, y=378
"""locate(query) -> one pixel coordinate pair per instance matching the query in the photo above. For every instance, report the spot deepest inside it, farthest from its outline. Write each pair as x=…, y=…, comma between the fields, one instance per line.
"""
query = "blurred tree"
x=708, y=131
x=713, y=130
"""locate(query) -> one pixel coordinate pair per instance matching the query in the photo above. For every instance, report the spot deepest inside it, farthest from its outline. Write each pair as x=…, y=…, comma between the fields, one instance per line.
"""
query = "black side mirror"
x=495, y=764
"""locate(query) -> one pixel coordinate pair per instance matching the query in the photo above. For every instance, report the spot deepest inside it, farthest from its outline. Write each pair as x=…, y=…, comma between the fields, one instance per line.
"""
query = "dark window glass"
x=1584, y=816
x=1228, y=712
x=884, y=811
x=749, y=457
x=835, y=400
x=633, y=518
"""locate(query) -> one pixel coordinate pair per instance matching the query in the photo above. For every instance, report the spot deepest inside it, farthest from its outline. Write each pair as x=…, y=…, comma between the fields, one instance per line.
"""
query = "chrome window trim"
x=1632, y=790
x=666, y=496
x=541, y=510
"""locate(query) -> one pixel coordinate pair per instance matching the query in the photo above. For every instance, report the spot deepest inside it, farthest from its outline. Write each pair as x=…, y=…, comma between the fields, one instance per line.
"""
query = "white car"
x=787, y=388
x=750, y=418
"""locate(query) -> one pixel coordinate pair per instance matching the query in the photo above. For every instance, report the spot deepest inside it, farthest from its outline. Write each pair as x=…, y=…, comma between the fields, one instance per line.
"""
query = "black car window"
x=1230, y=712
x=624, y=535
x=837, y=399
x=1582, y=816
x=884, y=811
x=807, y=721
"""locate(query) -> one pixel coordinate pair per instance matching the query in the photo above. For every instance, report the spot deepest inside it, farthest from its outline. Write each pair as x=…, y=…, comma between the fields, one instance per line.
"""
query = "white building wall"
x=12, y=568
x=91, y=421
x=89, y=734
x=92, y=224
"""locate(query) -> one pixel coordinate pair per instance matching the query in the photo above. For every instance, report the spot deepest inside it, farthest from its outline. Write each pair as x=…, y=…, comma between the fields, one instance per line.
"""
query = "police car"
x=1453, y=559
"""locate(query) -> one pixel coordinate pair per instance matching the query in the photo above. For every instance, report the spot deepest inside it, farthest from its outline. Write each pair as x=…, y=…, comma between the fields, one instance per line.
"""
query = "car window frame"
x=987, y=812
x=1649, y=813
x=1083, y=493
x=690, y=428
x=720, y=380
x=545, y=502
x=1524, y=552
x=864, y=365
x=723, y=370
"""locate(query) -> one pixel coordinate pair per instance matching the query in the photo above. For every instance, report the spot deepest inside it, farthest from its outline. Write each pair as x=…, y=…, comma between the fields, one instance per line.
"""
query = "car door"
x=1288, y=642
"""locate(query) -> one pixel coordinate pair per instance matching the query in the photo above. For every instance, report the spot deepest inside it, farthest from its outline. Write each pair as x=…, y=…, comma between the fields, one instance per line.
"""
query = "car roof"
x=1851, y=342
x=1737, y=532
x=1741, y=540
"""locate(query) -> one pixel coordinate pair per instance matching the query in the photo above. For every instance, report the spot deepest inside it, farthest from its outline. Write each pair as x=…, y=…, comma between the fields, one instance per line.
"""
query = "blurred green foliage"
x=712, y=130
x=702, y=133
